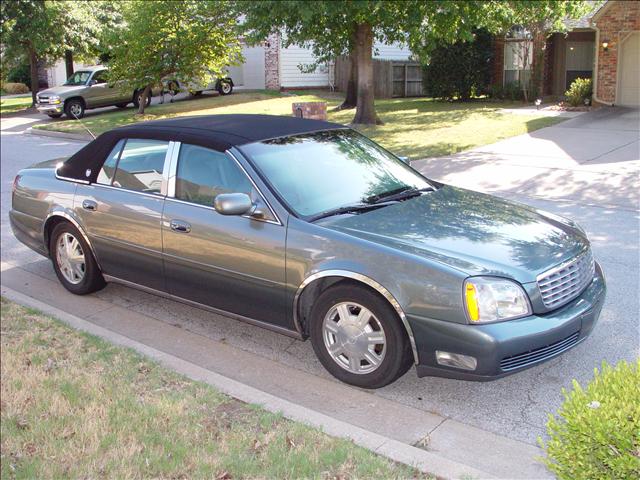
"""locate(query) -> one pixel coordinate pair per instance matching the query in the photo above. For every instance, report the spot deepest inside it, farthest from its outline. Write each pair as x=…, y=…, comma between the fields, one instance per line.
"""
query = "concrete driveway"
x=586, y=168
x=592, y=159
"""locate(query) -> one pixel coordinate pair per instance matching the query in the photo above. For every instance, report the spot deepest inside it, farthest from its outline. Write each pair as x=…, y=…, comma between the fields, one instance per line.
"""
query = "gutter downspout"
x=595, y=77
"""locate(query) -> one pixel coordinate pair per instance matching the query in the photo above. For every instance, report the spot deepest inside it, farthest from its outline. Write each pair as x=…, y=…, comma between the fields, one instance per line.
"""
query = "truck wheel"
x=137, y=97
x=74, y=108
x=225, y=88
x=358, y=337
x=73, y=260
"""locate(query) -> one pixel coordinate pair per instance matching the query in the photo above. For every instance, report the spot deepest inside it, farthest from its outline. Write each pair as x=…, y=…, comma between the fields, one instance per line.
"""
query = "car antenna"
x=84, y=126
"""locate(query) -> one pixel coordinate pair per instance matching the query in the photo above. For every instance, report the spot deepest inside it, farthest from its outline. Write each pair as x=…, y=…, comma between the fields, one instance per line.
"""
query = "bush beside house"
x=580, y=92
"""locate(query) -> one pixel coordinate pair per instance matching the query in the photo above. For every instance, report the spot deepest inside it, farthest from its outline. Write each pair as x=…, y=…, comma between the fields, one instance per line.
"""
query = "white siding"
x=290, y=74
x=250, y=74
x=395, y=51
x=57, y=74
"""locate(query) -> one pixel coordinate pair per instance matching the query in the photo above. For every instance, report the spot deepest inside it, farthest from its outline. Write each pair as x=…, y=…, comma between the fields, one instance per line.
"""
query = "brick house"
x=604, y=46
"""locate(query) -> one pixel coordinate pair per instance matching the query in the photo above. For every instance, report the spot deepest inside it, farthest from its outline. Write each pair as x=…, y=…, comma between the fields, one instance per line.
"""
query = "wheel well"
x=76, y=98
x=312, y=291
x=49, y=226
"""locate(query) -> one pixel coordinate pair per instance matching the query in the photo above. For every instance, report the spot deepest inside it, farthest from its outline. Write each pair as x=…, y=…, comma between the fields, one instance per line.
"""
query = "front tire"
x=225, y=88
x=74, y=108
x=73, y=261
x=358, y=337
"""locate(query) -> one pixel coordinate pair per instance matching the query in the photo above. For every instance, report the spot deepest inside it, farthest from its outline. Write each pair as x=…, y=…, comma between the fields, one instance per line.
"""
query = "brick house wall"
x=614, y=22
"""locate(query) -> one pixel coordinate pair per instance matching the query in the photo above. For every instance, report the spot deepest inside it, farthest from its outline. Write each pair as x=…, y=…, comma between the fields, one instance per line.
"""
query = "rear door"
x=233, y=263
x=122, y=211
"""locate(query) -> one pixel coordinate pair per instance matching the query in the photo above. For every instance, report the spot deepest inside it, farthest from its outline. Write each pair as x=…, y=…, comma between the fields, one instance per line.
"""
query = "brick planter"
x=312, y=110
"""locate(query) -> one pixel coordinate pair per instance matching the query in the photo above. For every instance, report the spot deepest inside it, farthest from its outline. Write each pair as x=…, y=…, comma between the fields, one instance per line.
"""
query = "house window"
x=518, y=56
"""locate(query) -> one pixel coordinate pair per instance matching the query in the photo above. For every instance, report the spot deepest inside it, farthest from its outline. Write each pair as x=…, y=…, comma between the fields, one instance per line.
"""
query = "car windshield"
x=78, y=78
x=324, y=171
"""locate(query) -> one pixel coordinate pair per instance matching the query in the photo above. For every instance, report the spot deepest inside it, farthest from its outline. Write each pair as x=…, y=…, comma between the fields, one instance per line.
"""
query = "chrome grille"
x=539, y=354
x=565, y=282
x=43, y=99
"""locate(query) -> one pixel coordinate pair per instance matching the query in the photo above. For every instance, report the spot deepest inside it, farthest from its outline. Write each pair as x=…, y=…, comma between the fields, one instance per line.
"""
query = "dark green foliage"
x=511, y=91
x=460, y=70
x=20, y=74
x=580, y=90
x=596, y=435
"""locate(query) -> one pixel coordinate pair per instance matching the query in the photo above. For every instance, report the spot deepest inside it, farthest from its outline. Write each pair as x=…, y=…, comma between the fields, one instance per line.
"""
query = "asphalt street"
x=515, y=406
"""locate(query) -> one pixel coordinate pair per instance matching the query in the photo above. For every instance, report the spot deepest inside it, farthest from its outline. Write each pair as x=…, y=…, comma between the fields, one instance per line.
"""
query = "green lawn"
x=15, y=104
x=413, y=127
x=74, y=406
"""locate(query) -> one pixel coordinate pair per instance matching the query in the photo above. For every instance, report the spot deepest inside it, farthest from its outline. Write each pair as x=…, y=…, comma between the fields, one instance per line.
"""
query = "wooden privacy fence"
x=391, y=78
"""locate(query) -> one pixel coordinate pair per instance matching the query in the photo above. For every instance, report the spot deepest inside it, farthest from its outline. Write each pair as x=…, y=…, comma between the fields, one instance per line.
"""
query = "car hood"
x=472, y=232
x=61, y=90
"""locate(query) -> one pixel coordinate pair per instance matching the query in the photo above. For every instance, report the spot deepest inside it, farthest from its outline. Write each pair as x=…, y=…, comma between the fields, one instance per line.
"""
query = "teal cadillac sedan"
x=312, y=230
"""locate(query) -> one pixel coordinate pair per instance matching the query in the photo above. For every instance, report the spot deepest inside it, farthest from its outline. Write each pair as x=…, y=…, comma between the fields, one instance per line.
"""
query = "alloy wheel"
x=70, y=258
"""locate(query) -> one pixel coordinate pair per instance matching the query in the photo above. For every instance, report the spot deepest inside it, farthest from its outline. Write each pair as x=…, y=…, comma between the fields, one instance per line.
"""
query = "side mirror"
x=232, y=203
x=93, y=82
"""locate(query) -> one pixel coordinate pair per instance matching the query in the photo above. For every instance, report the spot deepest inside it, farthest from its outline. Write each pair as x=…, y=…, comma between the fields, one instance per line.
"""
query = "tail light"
x=16, y=181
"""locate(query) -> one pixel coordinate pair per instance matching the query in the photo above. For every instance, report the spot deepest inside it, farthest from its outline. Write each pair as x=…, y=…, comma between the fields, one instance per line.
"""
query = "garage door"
x=629, y=86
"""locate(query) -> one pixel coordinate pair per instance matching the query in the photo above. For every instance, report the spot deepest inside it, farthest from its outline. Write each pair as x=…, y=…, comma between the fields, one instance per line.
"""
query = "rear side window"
x=141, y=165
x=108, y=170
x=203, y=174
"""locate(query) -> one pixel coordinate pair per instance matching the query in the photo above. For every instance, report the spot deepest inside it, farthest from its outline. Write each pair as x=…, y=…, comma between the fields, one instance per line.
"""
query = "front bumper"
x=508, y=347
x=50, y=108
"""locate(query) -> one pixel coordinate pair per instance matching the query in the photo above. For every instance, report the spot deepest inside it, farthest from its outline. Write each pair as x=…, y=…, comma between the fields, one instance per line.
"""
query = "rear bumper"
x=508, y=347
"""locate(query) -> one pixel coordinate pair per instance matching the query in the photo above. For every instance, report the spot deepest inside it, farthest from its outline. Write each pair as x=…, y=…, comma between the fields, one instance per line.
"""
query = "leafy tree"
x=461, y=69
x=191, y=41
x=351, y=26
x=29, y=30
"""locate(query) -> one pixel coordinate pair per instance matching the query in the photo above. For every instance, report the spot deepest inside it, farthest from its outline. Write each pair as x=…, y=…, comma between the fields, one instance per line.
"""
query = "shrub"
x=580, y=90
x=460, y=70
x=14, y=88
x=21, y=73
x=597, y=432
x=511, y=91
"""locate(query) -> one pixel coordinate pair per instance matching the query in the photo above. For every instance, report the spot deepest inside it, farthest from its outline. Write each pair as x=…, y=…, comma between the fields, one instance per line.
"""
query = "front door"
x=99, y=93
x=233, y=263
x=122, y=212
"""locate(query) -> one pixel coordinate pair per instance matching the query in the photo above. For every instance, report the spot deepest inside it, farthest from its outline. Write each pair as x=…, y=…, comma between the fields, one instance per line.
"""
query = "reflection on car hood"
x=476, y=233
x=61, y=90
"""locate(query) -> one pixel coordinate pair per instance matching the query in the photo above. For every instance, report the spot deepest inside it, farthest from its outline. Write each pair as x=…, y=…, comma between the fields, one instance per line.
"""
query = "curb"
x=50, y=133
x=392, y=449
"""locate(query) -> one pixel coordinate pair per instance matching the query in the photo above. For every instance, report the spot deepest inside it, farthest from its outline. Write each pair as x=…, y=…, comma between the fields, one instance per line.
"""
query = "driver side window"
x=204, y=173
x=99, y=77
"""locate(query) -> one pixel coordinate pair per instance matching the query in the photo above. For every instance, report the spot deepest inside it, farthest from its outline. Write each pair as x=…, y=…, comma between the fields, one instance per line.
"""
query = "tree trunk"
x=351, y=98
x=143, y=100
x=33, y=67
x=365, y=108
x=68, y=62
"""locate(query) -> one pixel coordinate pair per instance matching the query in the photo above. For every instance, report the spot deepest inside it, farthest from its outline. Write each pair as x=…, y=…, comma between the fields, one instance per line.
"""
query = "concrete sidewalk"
x=593, y=159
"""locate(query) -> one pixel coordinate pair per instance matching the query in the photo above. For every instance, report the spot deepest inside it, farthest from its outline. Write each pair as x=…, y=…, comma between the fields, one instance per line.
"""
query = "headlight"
x=490, y=299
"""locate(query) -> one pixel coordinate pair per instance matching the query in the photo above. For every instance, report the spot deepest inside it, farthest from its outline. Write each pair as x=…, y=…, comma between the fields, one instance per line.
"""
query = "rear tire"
x=225, y=88
x=358, y=337
x=74, y=108
x=73, y=260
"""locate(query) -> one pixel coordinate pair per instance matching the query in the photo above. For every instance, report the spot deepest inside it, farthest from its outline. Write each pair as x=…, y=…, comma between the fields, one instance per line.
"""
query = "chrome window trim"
x=173, y=173
x=74, y=180
x=164, y=187
x=367, y=281
x=120, y=189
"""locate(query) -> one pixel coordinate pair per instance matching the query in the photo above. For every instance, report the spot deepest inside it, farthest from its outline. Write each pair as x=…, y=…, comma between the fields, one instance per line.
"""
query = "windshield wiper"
x=358, y=207
x=400, y=194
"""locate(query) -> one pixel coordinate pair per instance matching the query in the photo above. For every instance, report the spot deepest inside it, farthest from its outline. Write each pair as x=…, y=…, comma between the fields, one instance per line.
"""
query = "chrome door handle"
x=180, y=226
x=89, y=205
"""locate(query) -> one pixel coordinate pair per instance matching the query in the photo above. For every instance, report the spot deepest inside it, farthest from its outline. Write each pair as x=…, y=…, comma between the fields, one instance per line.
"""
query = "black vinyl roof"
x=219, y=132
